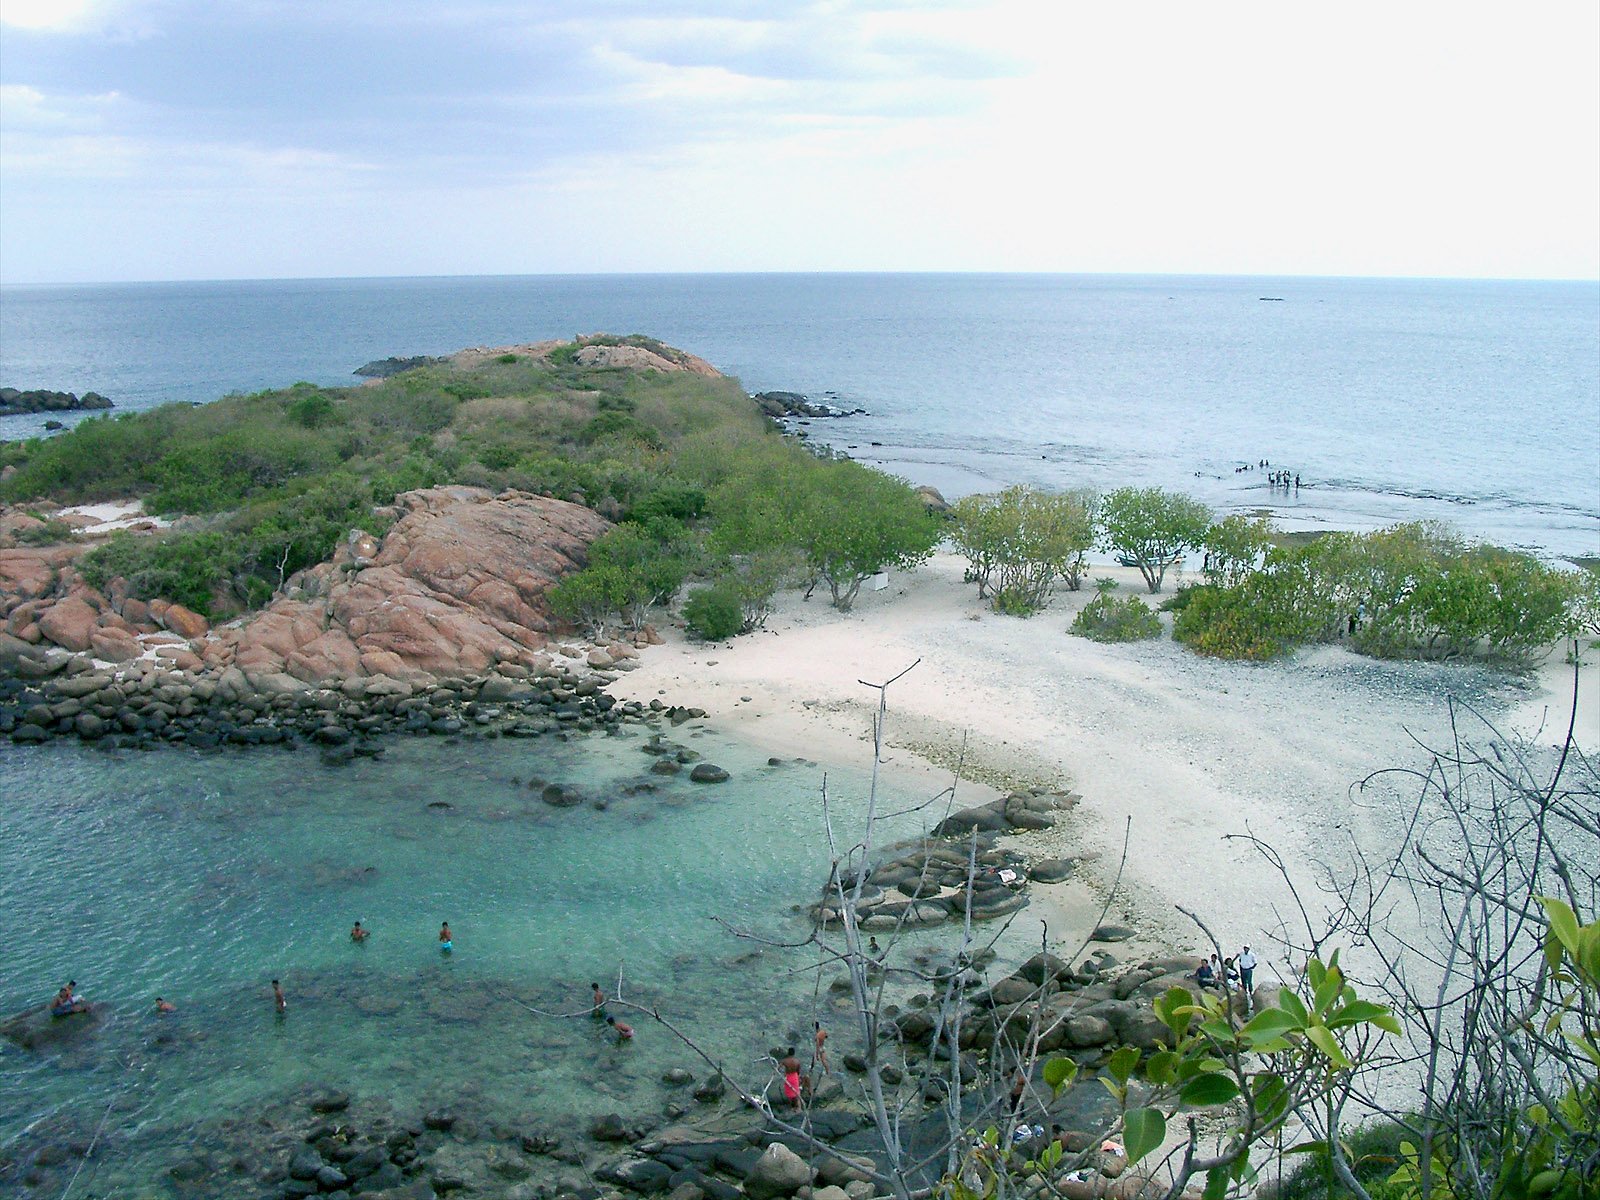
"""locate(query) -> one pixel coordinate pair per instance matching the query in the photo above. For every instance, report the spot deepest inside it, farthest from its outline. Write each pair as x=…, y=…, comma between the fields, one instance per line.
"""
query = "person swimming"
x=358, y=934
x=165, y=1006
x=446, y=938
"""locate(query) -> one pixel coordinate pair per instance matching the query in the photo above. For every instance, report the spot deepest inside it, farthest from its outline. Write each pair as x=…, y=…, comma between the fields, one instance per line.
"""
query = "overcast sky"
x=171, y=139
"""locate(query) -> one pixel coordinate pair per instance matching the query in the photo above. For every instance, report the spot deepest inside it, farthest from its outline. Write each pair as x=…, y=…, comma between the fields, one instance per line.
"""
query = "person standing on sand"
x=279, y=1004
x=1247, y=969
x=819, y=1056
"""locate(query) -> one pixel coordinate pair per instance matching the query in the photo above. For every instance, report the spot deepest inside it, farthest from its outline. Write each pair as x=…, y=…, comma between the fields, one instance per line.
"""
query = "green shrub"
x=1107, y=618
x=1020, y=541
x=1223, y=623
x=52, y=532
x=715, y=613
x=195, y=570
x=505, y=360
x=312, y=411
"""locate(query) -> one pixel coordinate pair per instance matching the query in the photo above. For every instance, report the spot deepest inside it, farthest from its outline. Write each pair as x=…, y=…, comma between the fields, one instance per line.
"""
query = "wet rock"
x=778, y=1172
x=330, y=1178
x=644, y=1175
x=305, y=1164
x=711, y=1090
x=1044, y=966
x=331, y=1101
x=383, y=1177
x=441, y=1119
x=609, y=1128
x=677, y=1077
x=708, y=773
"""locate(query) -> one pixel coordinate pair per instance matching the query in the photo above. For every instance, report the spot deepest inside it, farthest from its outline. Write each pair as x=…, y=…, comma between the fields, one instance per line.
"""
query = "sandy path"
x=1190, y=749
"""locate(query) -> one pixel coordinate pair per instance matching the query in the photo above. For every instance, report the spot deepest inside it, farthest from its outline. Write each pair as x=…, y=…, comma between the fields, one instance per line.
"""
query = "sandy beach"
x=1176, y=750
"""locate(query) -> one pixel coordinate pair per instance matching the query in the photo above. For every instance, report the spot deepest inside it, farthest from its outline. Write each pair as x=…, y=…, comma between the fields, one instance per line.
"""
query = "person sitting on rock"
x=1205, y=976
x=358, y=934
x=66, y=1003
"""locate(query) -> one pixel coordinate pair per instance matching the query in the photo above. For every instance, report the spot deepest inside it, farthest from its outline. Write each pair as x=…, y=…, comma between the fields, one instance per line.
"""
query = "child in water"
x=446, y=938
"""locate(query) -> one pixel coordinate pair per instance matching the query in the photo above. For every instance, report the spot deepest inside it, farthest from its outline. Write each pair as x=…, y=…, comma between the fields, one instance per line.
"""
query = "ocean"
x=1473, y=402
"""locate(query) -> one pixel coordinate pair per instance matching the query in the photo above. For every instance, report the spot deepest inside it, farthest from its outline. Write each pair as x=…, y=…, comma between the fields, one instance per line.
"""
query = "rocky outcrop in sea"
x=14, y=403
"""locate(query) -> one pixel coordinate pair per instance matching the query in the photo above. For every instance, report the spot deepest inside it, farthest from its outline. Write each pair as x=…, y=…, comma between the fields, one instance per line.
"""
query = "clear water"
x=201, y=878
x=1473, y=402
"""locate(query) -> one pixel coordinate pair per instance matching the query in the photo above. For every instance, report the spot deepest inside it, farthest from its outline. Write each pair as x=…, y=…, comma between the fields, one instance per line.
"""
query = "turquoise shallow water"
x=200, y=878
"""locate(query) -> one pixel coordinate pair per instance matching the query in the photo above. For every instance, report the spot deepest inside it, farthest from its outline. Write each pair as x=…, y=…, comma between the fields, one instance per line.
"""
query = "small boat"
x=1172, y=560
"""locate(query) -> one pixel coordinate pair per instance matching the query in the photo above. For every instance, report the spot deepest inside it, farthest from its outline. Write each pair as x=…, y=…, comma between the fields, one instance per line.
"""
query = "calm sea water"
x=1472, y=402
x=202, y=877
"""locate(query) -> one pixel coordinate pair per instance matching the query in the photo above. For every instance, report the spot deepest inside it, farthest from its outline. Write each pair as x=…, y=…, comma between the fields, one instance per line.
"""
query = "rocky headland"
x=440, y=627
x=14, y=403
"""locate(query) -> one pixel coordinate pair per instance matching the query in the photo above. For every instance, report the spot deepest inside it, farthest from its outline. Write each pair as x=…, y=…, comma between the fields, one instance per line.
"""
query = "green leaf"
x=1363, y=1011
x=1059, y=1072
x=1206, y=1090
x=1324, y=1041
x=1563, y=923
x=1143, y=1129
x=1216, y=1184
x=1174, y=1010
x=1161, y=1067
x=1123, y=1063
x=1318, y=1147
x=1119, y=1091
x=1291, y=1003
x=1271, y=1023
x=1327, y=991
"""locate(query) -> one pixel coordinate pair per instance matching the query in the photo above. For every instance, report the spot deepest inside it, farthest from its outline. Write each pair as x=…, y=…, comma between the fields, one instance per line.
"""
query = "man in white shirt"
x=1247, y=970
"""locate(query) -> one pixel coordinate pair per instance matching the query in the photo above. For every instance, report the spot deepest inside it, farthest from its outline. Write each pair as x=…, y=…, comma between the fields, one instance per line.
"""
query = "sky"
x=172, y=139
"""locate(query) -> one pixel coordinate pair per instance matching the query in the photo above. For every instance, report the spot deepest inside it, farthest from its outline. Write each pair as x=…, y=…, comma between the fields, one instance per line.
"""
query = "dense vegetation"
x=1410, y=591
x=266, y=484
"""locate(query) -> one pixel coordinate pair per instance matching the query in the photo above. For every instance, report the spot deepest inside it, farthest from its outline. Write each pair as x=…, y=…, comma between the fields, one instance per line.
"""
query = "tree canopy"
x=1148, y=527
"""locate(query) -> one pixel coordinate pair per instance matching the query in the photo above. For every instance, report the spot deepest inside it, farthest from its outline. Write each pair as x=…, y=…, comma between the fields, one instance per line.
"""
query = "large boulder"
x=778, y=1172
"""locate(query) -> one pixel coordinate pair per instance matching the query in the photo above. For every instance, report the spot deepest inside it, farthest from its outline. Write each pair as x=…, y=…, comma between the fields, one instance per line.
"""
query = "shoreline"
x=1180, y=750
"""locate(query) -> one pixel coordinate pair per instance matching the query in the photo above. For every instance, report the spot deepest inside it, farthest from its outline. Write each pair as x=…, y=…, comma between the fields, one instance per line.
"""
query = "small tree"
x=1020, y=541
x=1148, y=528
x=1235, y=546
x=846, y=521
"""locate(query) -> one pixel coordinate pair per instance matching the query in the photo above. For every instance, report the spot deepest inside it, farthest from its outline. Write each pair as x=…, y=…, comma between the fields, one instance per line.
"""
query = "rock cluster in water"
x=35, y=400
x=793, y=404
x=928, y=881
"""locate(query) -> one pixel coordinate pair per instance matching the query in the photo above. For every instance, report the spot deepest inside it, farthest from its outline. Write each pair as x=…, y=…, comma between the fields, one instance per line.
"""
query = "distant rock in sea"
x=14, y=403
x=383, y=368
x=793, y=404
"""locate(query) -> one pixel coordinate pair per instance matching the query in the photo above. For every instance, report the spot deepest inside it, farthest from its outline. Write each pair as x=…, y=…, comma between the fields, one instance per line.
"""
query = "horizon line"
x=1415, y=278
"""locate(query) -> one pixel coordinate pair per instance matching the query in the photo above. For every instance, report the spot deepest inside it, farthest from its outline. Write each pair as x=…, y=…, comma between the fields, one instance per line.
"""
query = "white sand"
x=1190, y=749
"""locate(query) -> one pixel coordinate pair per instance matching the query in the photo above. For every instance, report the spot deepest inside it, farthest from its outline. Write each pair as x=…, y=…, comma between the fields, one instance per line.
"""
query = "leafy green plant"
x=1148, y=528
x=1020, y=541
x=1108, y=618
x=715, y=613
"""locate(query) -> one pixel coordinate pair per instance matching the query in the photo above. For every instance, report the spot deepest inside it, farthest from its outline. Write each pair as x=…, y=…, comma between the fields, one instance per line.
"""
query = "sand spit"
x=1177, y=749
